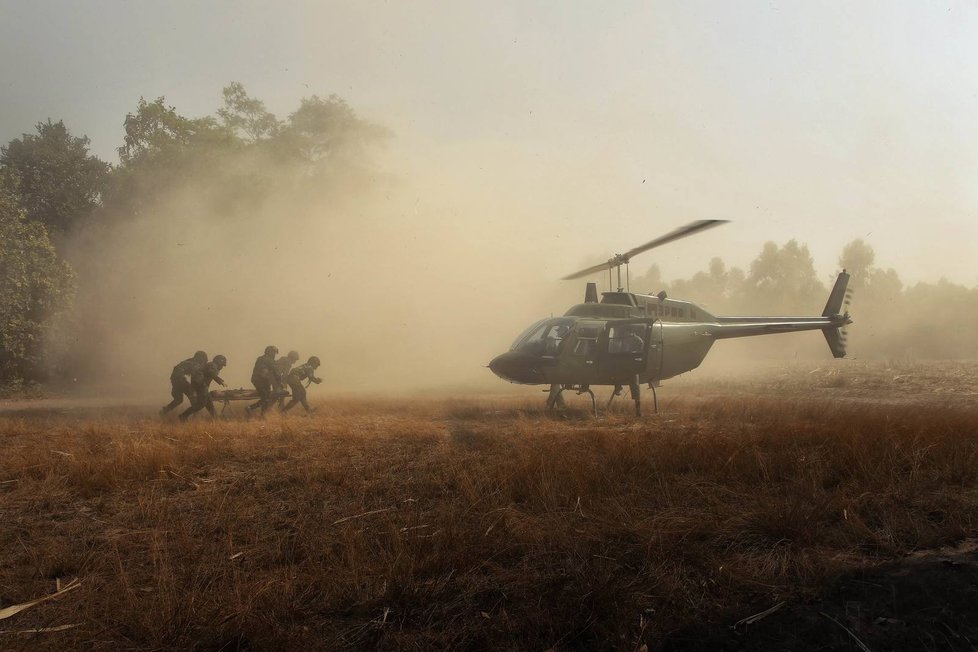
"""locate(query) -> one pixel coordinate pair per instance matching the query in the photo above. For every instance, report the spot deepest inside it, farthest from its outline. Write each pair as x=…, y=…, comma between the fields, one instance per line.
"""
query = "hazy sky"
x=598, y=125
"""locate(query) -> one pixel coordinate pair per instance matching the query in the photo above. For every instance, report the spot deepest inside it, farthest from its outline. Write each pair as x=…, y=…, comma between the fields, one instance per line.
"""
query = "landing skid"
x=635, y=392
x=555, y=400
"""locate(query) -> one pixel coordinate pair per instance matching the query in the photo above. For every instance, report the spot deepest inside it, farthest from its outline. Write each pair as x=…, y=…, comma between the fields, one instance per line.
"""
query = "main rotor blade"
x=621, y=259
x=590, y=270
x=681, y=232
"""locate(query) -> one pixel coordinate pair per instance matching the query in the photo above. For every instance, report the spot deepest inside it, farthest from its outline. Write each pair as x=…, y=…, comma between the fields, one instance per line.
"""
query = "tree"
x=651, y=281
x=162, y=150
x=246, y=115
x=36, y=286
x=857, y=258
x=233, y=161
x=714, y=288
x=61, y=184
x=157, y=130
x=783, y=279
x=328, y=129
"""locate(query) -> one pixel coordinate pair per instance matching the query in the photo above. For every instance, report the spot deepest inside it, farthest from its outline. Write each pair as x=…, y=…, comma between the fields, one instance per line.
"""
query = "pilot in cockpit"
x=554, y=338
x=627, y=341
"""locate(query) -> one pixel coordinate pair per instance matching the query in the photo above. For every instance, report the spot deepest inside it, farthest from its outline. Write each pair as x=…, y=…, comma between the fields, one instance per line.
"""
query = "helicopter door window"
x=587, y=340
x=585, y=346
x=626, y=339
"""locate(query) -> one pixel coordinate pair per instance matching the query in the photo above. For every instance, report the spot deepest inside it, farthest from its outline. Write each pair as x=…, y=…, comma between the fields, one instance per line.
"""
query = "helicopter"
x=628, y=339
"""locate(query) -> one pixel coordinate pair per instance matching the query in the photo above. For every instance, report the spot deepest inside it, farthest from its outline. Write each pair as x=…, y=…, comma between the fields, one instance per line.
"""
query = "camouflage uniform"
x=295, y=378
x=264, y=377
x=200, y=382
x=179, y=384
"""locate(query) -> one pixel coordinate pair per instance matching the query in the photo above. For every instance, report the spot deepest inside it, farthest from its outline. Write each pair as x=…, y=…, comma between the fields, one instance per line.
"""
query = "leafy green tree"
x=156, y=130
x=61, y=184
x=164, y=150
x=232, y=162
x=246, y=116
x=36, y=286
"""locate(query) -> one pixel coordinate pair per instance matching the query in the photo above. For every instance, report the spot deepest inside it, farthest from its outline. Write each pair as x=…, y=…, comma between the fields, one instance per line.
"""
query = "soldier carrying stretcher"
x=264, y=377
x=295, y=378
x=283, y=366
x=200, y=382
x=180, y=386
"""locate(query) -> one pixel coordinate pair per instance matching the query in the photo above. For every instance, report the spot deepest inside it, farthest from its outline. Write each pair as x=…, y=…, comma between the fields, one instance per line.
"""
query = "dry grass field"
x=482, y=523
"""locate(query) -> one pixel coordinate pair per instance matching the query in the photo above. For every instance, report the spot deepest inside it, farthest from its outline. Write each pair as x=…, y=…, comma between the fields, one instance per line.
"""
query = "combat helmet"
x=293, y=356
x=313, y=362
x=200, y=357
x=271, y=350
x=220, y=360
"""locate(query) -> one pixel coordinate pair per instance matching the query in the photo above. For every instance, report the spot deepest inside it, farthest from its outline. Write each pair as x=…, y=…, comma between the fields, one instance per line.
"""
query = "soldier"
x=200, y=383
x=283, y=366
x=180, y=387
x=295, y=378
x=264, y=376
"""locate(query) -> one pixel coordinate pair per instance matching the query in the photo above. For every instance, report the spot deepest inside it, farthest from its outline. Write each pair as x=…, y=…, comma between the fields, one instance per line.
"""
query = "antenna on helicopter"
x=618, y=260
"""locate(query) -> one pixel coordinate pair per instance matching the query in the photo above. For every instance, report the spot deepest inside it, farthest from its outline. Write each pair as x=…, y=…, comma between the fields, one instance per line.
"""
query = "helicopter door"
x=624, y=349
x=654, y=363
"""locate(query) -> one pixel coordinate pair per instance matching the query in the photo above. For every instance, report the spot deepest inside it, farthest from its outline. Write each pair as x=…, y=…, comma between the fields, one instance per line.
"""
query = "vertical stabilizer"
x=834, y=305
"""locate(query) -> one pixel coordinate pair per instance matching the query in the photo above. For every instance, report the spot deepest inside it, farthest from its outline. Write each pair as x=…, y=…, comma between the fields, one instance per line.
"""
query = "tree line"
x=892, y=320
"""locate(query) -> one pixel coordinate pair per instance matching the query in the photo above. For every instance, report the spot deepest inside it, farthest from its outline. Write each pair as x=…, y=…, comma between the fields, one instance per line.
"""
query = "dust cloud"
x=410, y=278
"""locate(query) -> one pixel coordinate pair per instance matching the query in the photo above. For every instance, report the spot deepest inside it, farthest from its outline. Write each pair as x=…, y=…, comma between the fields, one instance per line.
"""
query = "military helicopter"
x=629, y=339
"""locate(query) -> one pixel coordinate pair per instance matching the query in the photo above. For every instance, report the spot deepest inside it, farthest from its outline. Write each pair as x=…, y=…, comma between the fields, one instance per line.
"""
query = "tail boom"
x=830, y=322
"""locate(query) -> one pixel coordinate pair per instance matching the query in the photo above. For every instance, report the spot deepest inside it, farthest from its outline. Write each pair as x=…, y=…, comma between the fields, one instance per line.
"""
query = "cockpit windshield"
x=544, y=337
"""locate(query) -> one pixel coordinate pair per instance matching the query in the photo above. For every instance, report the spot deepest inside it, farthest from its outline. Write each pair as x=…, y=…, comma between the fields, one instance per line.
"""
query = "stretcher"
x=225, y=396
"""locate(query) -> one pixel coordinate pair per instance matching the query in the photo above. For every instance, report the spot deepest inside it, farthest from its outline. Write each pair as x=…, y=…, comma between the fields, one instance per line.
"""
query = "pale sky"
x=599, y=125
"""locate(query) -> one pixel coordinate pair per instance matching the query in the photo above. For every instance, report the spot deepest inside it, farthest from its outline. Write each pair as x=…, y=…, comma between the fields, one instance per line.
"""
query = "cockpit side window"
x=544, y=337
x=529, y=332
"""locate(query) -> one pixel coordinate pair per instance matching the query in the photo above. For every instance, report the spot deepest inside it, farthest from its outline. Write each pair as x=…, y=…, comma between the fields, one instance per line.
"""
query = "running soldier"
x=295, y=378
x=283, y=366
x=180, y=386
x=200, y=383
x=264, y=377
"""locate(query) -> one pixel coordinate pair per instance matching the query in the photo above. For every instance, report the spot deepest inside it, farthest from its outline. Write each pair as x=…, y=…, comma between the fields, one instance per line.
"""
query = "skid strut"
x=634, y=389
x=555, y=399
